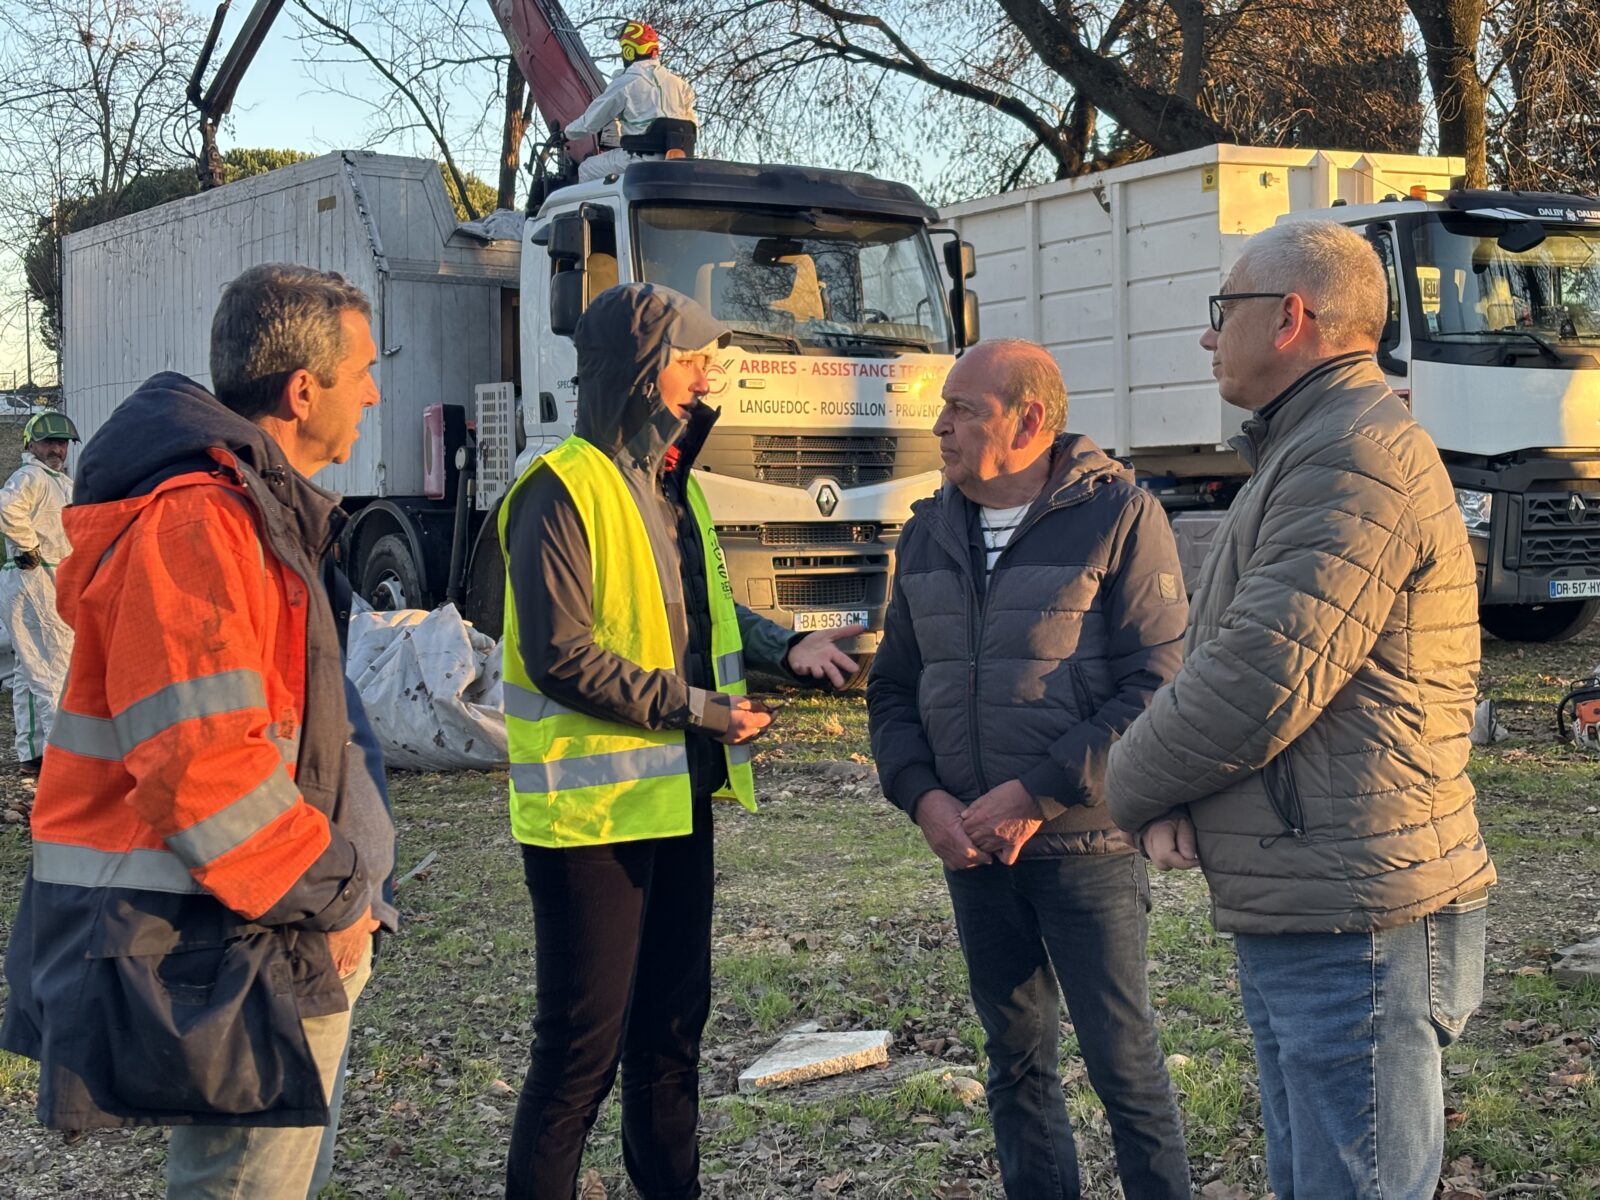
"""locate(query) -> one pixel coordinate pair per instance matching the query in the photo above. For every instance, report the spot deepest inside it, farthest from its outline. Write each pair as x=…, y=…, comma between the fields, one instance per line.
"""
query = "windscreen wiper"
x=872, y=339
x=1545, y=347
x=764, y=337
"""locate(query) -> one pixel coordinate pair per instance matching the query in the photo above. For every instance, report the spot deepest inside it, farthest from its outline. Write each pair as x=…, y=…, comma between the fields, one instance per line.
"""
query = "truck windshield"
x=1473, y=287
x=801, y=281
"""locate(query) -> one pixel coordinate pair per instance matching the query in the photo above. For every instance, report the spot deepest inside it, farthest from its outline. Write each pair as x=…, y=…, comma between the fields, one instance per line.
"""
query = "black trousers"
x=622, y=960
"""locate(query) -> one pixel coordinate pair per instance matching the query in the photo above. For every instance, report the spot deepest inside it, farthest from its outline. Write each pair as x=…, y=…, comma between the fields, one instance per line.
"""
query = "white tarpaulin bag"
x=431, y=686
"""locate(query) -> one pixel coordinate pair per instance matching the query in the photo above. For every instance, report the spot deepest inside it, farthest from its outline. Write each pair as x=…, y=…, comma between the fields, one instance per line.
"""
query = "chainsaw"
x=1582, y=707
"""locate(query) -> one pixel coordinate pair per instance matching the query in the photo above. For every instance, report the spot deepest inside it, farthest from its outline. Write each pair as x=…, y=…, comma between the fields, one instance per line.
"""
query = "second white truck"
x=1493, y=338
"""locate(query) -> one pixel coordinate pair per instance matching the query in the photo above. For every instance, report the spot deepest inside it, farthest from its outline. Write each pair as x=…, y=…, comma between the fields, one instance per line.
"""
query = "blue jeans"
x=1086, y=914
x=1348, y=1028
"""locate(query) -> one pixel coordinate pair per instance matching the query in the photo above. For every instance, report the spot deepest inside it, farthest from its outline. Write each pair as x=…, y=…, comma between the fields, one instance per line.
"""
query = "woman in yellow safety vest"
x=625, y=715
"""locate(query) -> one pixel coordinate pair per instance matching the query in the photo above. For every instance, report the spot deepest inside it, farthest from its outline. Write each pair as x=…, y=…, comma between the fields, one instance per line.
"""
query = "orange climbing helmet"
x=639, y=41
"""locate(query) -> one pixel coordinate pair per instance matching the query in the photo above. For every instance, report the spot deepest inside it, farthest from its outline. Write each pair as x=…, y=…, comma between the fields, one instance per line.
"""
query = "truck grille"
x=817, y=533
x=796, y=460
x=822, y=591
x=1556, y=533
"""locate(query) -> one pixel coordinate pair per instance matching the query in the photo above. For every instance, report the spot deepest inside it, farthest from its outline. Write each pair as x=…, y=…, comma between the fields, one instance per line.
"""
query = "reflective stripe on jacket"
x=582, y=780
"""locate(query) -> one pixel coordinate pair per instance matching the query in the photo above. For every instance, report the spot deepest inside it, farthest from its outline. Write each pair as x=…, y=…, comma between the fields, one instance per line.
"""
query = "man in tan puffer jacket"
x=1311, y=754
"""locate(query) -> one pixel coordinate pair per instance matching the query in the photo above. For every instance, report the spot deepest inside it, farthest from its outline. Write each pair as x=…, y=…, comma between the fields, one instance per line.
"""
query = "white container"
x=1111, y=272
x=138, y=294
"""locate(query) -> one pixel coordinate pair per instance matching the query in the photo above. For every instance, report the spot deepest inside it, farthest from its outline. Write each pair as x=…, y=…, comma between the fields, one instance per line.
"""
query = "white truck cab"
x=1494, y=339
x=828, y=391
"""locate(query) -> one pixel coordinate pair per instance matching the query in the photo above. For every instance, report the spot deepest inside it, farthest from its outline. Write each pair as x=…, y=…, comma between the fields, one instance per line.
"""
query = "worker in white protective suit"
x=640, y=93
x=30, y=518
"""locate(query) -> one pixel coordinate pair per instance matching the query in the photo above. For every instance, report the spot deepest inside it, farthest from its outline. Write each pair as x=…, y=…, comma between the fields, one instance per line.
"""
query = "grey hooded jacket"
x=1318, y=729
x=1030, y=675
x=624, y=339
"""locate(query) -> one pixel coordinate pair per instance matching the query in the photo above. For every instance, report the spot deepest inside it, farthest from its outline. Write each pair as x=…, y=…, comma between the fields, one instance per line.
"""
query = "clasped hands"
x=994, y=826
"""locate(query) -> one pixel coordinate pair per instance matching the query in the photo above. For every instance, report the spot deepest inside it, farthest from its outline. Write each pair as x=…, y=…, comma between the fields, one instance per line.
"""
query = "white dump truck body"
x=138, y=294
x=1111, y=273
x=1493, y=337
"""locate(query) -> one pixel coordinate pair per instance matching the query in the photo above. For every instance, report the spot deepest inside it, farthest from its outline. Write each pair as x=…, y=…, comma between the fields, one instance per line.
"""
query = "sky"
x=284, y=103
x=280, y=106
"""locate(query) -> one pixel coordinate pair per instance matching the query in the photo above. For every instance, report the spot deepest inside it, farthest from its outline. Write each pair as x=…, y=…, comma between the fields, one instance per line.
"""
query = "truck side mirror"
x=960, y=260
x=569, y=239
x=566, y=301
x=1378, y=236
x=964, y=314
x=569, y=255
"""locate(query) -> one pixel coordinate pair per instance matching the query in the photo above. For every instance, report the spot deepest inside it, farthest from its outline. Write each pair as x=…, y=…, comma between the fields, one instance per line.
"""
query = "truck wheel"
x=1539, y=622
x=858, y=681
x=486, y=582
x=389, y=579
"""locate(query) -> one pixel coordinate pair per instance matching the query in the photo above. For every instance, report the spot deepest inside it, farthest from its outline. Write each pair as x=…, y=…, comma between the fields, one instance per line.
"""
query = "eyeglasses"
x=1218, y=312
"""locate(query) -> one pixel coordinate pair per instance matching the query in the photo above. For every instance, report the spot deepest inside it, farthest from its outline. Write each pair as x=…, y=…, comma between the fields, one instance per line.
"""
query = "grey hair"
x=274, y=320
x=1030, y=373
x=1332, y=267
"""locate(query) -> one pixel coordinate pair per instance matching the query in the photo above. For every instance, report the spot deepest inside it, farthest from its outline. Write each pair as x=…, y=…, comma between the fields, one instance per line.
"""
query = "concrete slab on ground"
x=802, y=1055
x=1578, y=963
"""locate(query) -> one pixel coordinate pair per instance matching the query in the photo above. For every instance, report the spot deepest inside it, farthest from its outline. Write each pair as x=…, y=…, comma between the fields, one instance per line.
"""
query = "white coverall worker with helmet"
x=30, y=518
x=642, y=91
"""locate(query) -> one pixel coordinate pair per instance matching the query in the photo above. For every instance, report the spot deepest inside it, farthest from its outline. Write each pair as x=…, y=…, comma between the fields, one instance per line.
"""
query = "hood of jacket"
x=171, y=426
x=624, y=339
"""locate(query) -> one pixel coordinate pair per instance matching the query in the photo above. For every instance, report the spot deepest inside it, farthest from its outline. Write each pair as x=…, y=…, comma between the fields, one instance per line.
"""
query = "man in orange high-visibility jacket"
x=209, y=839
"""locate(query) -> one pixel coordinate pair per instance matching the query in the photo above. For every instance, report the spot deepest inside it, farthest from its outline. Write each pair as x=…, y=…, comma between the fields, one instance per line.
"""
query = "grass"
x=831, y=909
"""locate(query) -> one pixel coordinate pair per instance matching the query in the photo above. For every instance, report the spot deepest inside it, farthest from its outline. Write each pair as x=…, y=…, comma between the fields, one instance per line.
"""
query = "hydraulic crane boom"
x=562, y=78
x=214, y=102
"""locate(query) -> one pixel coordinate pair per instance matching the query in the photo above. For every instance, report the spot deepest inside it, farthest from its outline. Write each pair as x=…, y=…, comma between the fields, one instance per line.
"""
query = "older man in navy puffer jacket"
x=1038, y=605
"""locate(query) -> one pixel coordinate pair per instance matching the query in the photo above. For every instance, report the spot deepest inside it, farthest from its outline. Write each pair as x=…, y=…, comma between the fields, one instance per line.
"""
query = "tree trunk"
x=1167, y=123
x=1079, y=138
x=512, y=131
x=1191, y=16
x=208, y=163
x=1450, y=31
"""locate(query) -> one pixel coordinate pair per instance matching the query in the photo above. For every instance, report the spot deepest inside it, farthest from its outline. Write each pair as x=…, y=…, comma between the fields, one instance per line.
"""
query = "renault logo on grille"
x=827, y=499
x=1576, y=503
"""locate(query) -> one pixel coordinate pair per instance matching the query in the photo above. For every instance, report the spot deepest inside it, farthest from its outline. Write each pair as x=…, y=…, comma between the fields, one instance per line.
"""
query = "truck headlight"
x=1475, y=510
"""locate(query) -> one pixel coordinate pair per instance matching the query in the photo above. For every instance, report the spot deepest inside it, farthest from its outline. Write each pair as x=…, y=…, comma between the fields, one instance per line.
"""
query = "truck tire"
x=1539, y=622
x=858, y=681
x=389, y=579
x=486, y=582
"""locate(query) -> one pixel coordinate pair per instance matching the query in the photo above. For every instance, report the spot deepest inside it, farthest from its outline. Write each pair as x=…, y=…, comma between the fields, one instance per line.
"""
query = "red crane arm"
x=562, y=78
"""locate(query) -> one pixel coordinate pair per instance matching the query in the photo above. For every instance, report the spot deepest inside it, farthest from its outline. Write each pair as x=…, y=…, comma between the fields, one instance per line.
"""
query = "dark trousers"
x=1087, y=915
x=622, y=946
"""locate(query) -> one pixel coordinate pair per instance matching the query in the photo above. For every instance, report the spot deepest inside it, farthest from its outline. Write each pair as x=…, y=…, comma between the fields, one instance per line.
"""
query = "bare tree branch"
x=403, y=88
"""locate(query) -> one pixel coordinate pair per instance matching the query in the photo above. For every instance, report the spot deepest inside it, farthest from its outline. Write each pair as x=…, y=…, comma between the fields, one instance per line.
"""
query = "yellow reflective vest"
x=578, y=780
